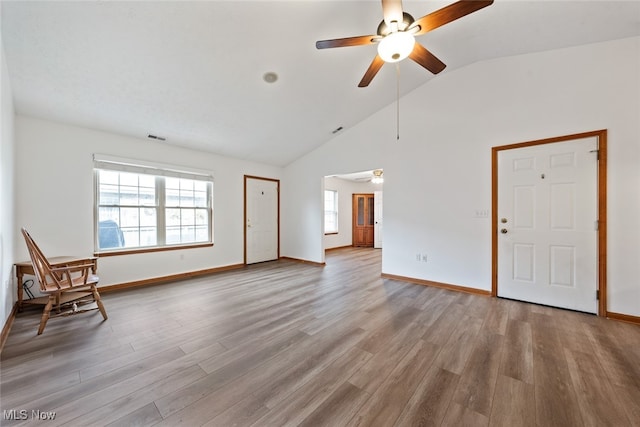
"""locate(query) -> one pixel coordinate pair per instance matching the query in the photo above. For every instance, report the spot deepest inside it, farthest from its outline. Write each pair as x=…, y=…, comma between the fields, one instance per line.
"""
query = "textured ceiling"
x=191, y=71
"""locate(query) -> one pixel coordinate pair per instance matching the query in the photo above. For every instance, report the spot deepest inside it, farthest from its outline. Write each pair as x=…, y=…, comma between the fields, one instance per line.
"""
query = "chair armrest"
x=73, y=267
x=73, y=275
x=69, y=261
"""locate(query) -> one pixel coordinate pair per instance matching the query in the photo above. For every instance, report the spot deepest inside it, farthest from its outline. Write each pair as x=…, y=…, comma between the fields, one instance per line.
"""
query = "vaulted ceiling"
x=192, y=71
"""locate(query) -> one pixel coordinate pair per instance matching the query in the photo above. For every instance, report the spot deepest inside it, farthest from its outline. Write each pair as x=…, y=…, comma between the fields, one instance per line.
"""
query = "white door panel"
x=378, y=223
x=547, y=211
x=262, y=220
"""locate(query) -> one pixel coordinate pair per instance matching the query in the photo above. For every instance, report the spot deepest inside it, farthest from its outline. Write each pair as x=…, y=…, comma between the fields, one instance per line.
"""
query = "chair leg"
x=46, y=313
x=96, y=297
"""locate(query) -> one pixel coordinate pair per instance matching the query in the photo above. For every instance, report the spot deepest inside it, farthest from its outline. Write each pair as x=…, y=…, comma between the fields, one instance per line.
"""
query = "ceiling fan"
x=396, y=35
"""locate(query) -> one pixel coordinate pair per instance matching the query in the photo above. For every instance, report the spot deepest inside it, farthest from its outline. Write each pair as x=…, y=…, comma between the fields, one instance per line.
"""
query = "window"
x=330, y=211
x=139, y=206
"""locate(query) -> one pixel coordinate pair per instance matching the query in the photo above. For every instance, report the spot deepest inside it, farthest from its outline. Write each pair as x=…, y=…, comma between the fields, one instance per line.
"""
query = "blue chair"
x=110, y=235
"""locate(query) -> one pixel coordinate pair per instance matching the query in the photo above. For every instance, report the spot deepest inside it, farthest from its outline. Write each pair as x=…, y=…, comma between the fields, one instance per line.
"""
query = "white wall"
x=436, y=176
x=54, y=184
x=346, y=189
x=7, y=290
x=439, y=172
x=357, y=149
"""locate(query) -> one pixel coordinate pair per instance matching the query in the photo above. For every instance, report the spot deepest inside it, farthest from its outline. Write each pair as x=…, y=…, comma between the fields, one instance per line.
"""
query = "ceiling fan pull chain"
x=397, y=101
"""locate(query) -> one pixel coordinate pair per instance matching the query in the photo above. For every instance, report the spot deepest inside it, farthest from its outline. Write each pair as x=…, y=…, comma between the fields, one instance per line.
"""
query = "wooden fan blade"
x=448, y=14
x=371, y=71
x=347, y=41
x=427, y=59
x=392, y=11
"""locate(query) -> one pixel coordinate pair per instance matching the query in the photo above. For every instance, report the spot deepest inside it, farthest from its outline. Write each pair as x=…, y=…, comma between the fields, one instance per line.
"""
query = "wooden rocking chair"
x=67, y=286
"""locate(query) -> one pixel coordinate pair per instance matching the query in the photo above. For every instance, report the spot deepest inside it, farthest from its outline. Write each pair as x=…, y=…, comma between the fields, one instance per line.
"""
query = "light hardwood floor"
x=285, y=343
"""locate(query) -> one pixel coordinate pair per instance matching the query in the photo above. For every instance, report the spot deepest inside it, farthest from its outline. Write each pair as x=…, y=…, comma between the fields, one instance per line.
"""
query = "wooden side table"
x=25, y=267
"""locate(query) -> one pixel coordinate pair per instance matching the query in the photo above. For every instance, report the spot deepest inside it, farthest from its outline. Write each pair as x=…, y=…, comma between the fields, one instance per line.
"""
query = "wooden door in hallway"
x=363, y=220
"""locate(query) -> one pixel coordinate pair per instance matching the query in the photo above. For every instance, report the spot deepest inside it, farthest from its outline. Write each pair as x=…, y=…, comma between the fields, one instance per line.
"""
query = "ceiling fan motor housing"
x=384, y=30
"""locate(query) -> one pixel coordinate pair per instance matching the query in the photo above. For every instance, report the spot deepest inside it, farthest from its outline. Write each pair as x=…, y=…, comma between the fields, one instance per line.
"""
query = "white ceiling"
x=191, y=71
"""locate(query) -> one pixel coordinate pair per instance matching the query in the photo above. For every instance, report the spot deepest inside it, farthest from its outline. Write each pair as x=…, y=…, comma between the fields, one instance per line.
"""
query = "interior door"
x=363, y=220
x=377, y=218
x=261, y=219
x=547, y=224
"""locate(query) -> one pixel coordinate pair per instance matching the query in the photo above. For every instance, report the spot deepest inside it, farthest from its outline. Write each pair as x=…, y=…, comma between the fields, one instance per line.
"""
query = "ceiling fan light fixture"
x=377, y=177
x=396, y=46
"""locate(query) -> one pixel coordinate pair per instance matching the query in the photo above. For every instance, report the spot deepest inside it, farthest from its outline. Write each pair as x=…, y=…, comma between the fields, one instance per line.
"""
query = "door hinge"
x=598, y=295
x=597, y=151
x=596, y=225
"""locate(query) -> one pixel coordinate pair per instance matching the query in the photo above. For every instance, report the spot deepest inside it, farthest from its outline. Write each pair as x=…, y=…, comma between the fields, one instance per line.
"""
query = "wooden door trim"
x=244, y=216
x=602, y=208
x=354, y=214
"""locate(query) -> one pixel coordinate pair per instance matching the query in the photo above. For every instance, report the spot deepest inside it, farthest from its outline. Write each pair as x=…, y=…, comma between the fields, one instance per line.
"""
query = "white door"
x=377, y=219
x=261, y=222
x=547, y=216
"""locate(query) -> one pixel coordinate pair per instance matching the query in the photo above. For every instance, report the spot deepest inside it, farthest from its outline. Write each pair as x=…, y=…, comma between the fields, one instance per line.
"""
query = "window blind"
x=107, y=162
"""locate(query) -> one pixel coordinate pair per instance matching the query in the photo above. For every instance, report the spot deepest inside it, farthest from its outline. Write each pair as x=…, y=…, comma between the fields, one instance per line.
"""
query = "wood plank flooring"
x=285, y=343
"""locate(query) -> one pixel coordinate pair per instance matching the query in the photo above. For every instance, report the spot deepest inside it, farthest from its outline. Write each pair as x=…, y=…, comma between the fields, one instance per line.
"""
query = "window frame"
x=335, y=212
x=160, y=173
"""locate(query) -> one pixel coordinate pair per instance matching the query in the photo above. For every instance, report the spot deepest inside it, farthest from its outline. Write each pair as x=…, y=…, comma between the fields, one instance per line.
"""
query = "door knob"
x=503, y=231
